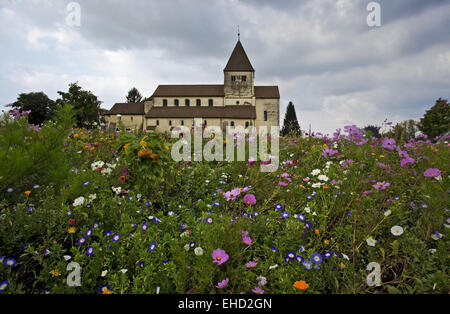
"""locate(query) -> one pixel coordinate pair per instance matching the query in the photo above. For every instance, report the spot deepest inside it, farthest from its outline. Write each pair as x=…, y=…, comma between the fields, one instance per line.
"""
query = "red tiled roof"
x=236, y=112
x=209, y=91
x=238, y=60
x=127, y=108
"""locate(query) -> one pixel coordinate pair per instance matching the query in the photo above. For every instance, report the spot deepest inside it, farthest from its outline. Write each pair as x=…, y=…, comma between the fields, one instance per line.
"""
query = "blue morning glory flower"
x=152, y=247
x=184, y=225
x=245, y=214
x=209, y=220
x=9, y=190
x=192, y=244
x=144, y=226
x=37, y=186
x=69, y=213
x=397, y=198
x=89, y=250
x=308, y=265
x=88, y=206
x=299, y=259
x=309, y=197
x=285, y=215
x=255, y=214
x=301, y=217
x=141, y=264
x=4, y=285
x=307, y=225
x=278, y=206
x=287, y=259
x=116, y=237
x=108, y=233
x=30, y=208
x=290, y=255
x=82, y=240
x=156, y=220
x=147, y=203
x=89, y=232
x=424, y=205
x=86, y=183
x=302, y=248
x=327, y=254
x=10, y=262
x=274, y=248
x=133, y=225
x=170, y=213
x=317, y=258
x=313, y=194
x=217, y=203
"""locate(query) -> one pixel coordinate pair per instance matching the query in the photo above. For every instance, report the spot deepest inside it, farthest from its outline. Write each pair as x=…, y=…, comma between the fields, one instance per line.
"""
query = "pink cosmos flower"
x=432, y=173
x=249, y=199
x=258, y=290
x=247, y=240
x=285, y=175
x=219, y=256
x=406, y=162
x=251, y=264
x=244, y=233
x=223, y=283
x=388, y=143
x=281, y=183
x=381, y=185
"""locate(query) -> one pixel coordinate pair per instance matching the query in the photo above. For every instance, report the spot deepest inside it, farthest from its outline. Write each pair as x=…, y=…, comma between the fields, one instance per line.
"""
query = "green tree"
x=134, y=95
x=436, y=120
x=373, y=131
x=85, y=105
x=290, y=125
x=42, y=108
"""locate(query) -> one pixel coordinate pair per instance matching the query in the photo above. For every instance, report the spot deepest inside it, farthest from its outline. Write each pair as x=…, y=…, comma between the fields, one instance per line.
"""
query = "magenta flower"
x=388, y=143
x=381, y=185
x=406, y=162
x=244, y=233
x=219, y=256
x=249, y=199
x=432, y=173
x=223, y=283
x=251, y=264
x=329, y=152
x=281, y=183
x=258, y=290
x=285, y=175
x=247, y=240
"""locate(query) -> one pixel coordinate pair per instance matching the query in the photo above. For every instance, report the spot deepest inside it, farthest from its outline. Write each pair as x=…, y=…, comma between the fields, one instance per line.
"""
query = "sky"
x=322, y=54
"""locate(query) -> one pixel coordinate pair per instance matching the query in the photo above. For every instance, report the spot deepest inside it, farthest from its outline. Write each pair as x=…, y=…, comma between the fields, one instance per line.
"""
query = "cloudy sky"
x=321, y=53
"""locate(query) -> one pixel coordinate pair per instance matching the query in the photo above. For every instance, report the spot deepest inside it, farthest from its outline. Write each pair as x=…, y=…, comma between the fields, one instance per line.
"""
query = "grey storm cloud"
x=321, y=53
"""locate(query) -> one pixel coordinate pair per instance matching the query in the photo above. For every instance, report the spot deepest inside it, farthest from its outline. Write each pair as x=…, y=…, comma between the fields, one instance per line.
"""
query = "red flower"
x=71, y=221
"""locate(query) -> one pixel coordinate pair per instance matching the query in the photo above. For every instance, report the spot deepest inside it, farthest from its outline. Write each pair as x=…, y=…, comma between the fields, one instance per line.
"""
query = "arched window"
x=232, y=123
x=164, y=102
x=182, y=122
x=199, y=102
x=175, y=102
x=265, y=115
x=186, y=102
x=210, y=102
x=170, y=122
x=157, y=122
x=247, y=124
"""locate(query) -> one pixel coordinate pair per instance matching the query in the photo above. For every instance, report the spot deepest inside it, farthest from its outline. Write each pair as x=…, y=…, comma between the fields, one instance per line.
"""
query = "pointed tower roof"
x=238, y=60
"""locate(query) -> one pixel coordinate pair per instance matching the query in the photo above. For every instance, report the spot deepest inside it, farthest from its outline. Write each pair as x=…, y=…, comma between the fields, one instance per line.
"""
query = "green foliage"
x=372, y=131
x=134, y=95
x=85, y=104
x=42, y=108
x=436, y=120
x=290, y=124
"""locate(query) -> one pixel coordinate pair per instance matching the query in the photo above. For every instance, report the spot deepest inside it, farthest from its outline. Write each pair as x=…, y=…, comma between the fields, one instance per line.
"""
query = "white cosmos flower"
x=124, y=270
x=397, y=230
x=345, y=256
x=198, y=251
x=92, y=197
x=388, y=212
x=307, y=209
x=78, y=201
x=67, y=257
x=273, y=266
x=323, y=177
x=104, y=273
x=315, y=172
x=371, y=241
x=316, y=185
x=187, y=247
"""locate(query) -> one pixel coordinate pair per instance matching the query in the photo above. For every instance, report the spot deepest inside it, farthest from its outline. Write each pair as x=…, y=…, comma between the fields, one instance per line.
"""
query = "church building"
x=237, y=102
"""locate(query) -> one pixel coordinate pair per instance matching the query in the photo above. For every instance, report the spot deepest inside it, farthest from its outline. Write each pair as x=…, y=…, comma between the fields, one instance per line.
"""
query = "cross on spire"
x=239, y=34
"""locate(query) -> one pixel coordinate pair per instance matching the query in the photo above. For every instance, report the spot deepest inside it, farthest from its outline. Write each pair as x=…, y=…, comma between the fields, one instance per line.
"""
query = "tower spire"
x=239, y=34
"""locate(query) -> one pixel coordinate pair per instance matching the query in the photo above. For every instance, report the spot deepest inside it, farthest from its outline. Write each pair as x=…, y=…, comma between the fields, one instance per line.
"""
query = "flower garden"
x=87, y=211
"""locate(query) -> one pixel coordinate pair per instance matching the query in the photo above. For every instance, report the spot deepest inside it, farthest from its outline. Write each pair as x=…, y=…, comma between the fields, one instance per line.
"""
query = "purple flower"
x=219, y=256
x=223, y=283
x=388, y=143
x=251, y=264
x=381, y=185
x=406, y=162
x=247, y=240
x=258, y=290
x=249, y=199
x=329, y=152
x=432, y=173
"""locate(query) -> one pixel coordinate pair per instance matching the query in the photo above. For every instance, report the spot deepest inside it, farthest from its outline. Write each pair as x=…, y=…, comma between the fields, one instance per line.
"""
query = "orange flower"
x=126, y=147
x=27, y=192
x=325, y=187
x=316, y=231
x=143, y=144
x=145, y=153
x=301, y=285
x=71, y=230
x=167, y=147
x=75, y=135
x=155, y=157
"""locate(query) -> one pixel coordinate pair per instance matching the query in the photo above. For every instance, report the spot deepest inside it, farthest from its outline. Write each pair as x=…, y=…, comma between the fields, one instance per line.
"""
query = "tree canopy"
x=290, y=125
x=85, y=105
x=134, y=95
x=436, y=120
x=42, y=108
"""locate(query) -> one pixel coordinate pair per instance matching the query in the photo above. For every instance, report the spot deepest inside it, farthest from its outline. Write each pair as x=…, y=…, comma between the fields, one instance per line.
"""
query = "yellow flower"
x=167, y=147
x=326, y=242
x=71, y=230
x=325, y=145
x=381, y=156
x=143, y=144
x=145, y=153
x=55, y=273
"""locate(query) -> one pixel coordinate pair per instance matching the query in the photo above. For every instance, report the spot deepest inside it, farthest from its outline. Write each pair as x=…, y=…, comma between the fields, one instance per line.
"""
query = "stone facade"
x=237, y=102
